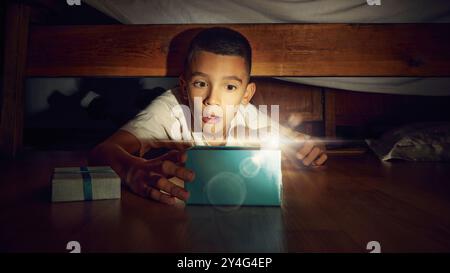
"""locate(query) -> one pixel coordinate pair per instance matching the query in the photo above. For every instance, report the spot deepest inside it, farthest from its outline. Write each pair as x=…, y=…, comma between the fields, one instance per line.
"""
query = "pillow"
x=415, y=142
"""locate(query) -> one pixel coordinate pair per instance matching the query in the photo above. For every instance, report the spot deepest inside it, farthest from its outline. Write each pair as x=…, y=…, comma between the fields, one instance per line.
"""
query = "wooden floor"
x=339, y=208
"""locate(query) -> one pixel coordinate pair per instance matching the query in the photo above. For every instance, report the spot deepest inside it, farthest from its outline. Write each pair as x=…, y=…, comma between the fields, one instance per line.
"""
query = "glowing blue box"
x=233, y=176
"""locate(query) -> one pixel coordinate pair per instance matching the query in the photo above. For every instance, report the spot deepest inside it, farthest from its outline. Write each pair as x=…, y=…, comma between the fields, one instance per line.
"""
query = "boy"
x=216, y=86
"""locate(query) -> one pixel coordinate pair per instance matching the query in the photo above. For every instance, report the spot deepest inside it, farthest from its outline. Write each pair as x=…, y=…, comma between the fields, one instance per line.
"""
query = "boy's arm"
x=147, y=178
x=118, y=151
x=302, y=147
x=296, y=145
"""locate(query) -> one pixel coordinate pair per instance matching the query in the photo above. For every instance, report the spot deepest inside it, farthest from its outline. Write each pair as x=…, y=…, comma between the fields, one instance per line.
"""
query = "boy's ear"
x=249, y=92
x=183, y=86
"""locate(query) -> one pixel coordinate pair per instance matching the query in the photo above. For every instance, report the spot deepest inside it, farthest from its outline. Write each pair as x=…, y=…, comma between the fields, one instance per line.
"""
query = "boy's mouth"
x=212, y=114
x=211, y=119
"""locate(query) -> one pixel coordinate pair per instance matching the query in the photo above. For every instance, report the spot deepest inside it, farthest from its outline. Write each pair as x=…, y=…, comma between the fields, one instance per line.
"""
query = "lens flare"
x=250, y=166
x=224, y=189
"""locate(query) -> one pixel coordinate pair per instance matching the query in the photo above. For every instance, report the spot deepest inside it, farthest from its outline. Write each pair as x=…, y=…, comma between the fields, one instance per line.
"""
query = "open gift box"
x=233, y=176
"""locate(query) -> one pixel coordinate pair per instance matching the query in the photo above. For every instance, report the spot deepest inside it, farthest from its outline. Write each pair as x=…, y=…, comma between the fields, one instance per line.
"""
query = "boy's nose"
x=212, y=99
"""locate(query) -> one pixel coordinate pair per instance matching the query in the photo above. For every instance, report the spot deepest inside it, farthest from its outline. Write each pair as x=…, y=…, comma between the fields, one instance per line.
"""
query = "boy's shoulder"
x=170, y=97
x=166, y=101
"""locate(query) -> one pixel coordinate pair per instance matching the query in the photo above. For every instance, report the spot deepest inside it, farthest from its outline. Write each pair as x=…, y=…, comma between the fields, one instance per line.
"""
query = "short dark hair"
x=222, y=41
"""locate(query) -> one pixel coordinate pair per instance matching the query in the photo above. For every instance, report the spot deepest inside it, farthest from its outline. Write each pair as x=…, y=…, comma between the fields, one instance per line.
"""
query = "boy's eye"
x=200, y=84
x=231, y=87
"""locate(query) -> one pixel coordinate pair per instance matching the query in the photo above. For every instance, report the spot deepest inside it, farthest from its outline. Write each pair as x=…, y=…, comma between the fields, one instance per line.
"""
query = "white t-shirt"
x=167, y=119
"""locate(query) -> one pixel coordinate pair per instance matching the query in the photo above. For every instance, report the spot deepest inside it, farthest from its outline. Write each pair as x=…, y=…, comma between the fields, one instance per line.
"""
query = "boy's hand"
x=310, y=152
x=149, y=178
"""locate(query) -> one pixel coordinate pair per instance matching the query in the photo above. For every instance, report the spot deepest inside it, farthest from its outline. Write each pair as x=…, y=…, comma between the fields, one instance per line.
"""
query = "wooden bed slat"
x=279, y=49
x=12, y=102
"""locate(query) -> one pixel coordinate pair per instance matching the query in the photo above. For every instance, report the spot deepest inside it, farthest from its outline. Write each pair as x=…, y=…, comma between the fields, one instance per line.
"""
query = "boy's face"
x=220, y=83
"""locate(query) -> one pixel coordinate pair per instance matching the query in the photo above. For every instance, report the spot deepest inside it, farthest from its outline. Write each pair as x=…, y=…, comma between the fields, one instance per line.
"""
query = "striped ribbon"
x=87, y=183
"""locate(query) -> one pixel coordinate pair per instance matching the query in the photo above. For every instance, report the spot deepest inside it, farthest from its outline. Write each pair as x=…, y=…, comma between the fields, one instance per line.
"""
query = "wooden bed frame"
x=158, y=50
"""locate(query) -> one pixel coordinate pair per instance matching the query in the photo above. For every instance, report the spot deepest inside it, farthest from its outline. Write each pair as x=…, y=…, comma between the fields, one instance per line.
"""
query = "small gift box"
x=85, y=183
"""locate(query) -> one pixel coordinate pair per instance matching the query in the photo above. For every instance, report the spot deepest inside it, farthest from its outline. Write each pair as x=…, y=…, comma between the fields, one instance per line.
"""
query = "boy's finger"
x=321, y=160
x=183, y=157
x=152, y=179
x=159, y=196
x=172, y=189
x=311, y=156
x=305, y=150
x=168, y=168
